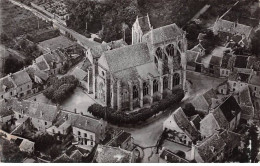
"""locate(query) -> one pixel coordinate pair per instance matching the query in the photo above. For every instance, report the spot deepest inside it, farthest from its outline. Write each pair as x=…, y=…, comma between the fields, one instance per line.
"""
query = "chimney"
x=75, y=110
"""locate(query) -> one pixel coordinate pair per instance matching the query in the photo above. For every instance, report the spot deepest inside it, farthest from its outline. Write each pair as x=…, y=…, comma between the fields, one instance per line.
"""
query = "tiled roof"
x=255, y=80
x=191, y=56
x=164, y=34
x=84, y=122
x=6, y=82
x=32, y=71
x=120, y=139
x=86, y=64
x=215, y=60
x=226, y=60
x=76, y=155
x=244, y=97
x=243, y=77
x=63, y=159
x=4, y=110
x=210, y=147
x=34, y=109
x=220, y=118
x=183, y=122
x=79, y=74
x=195, y=119
x=241, y=61
x=171, y=157
x=118, y=59
x=247, y=111
x=209, y=95
x=198, y=48
x=144, y=24
x=57, y=42
x=26, y=145
x=56, y=56
x=21, y=77
x=42, y=65
x=108, y=154
x=231, y=139
x=230, y=108
x=74, y=148
x=200, y=103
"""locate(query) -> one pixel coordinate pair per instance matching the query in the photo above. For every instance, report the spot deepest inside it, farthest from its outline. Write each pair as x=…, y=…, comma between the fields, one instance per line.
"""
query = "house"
x=61, y=126
x=238, y=79
x=6, y=115
x=27, y=146
x=254, y=84
x=23, y=83
x=122, y=140
x=191, y=59
x=41, y=115
x=230, y=29
x=253, y=63
x=83, y=77
x=60, y=42
x=214, y=66
x=224, y=116
x=226, y=65
x=199, y=66
x=72, y=154
x=51, y=62
x=241, y=62
x=203, y=102
x=223, y=88
x=211, y=149
x=87, y=130
x=181, y=128
x=245, y=102
x=7, y=87
x=108, y=154
x=166, y=156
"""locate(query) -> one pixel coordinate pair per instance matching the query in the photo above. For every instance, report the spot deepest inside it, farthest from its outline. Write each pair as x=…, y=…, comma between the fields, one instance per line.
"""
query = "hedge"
x=120, y=117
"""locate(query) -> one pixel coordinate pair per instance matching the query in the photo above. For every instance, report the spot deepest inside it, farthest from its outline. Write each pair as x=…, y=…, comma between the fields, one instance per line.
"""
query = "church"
x=127, y=77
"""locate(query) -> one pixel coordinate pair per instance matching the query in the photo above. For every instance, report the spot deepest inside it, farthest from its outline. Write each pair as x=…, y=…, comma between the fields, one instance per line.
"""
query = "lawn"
x=16, y=21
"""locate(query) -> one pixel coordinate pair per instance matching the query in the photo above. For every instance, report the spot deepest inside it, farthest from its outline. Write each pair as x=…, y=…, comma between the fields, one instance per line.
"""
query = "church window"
x=155, y=86
x=170, y=50
x=124, y=96
x=176, y=79
x=159, y=53
x=135, y=92
x=165, y=82
x=156, y=62
x=179, y=45
x=103, y=73
x=145, y=88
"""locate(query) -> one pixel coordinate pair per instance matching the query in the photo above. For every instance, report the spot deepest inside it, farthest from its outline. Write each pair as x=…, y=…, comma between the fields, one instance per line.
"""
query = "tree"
x=10, y=152
x=12, y=65
x=54, y=152
x=44, y=142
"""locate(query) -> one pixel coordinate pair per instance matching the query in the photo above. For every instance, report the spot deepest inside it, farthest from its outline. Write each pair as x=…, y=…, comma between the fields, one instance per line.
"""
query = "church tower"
x=140, y=27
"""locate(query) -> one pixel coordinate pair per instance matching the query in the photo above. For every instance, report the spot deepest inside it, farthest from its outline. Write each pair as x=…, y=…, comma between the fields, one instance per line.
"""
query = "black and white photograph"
x=129, y=81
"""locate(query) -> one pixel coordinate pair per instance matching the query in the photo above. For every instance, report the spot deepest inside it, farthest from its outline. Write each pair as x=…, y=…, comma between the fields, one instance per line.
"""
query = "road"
x=148, y=134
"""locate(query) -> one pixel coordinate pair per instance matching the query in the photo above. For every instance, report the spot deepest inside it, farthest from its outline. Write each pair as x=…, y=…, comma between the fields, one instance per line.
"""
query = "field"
x=16, y=21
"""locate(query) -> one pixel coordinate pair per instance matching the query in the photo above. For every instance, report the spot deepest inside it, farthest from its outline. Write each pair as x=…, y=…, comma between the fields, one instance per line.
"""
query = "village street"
x=148, y=134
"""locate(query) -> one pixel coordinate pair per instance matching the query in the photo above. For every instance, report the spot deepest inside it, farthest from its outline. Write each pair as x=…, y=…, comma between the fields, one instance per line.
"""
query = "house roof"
x=57, y=42
x=231, y=139
x=120, y=139
x=247, y=111
x=255, y=80
x=144, y=24
x=220, y=119
x=164, y=34
x=72, y=149
x=204, y=101
x=215, y=60
x=55, y=56
x=239, y=76
x=244, y=97
x=76, y=155
x=183, y=122
x=79, y=74
x=4, y=110
x=33, y=71
x=34, y=109
x=86, y=64
x=226, y=62
x=230, y=108
x=198, y=48
x=209, y=95
x=195, y=119
x=108, y=154
x=21, y=77
x=191, y=56
x=63, y=159
x=42, y=65
x=84, y=122
x=171, y=157
x=118, y=59
x=241, y=61
x=113, y=45
x=6, y=83
x=210, y=147
x=26, y=145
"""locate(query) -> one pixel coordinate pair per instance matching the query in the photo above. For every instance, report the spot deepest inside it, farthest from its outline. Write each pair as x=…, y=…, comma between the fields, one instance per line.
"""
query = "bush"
x=119, y=117
x=59, y=88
